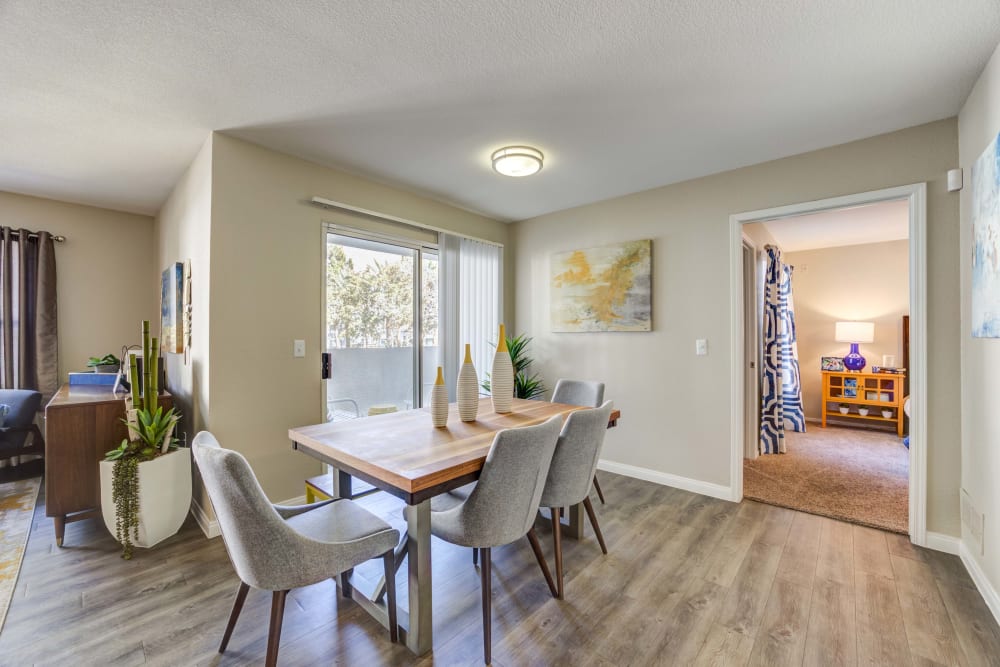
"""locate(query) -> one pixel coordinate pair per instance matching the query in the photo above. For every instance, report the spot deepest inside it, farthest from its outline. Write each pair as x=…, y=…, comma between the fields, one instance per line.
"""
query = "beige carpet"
x=855, y=475
x=17, y=505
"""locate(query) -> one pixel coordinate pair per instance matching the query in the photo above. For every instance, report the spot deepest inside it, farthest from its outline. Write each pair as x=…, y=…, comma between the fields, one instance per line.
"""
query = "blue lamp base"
x=854, y=361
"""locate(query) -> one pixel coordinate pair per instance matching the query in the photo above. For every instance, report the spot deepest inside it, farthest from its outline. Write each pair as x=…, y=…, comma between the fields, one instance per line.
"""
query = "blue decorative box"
x=93, y=379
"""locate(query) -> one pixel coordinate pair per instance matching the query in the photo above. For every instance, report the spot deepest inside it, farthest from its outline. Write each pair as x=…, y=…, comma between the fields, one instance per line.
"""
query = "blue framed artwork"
x=986, y=243
x=172, y=309
x=832, y=363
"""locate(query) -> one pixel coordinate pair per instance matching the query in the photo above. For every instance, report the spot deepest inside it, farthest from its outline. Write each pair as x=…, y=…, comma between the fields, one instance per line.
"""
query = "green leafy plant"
x=526, y=385
x=106, y=360
x=150, y=434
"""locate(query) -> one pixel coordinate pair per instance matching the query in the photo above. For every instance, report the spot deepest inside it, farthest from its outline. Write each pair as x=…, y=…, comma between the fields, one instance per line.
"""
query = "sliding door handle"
x=325, y=370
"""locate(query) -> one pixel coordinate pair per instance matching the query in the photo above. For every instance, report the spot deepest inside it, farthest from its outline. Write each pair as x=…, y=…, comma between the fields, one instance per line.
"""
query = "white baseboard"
x=667, y=479
x=943, y=543
x=297, y=500
x=986, y=589
x=208, y=526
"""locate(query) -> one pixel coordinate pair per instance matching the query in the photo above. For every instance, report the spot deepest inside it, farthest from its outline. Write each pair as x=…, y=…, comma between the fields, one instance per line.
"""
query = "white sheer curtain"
x=471, y=302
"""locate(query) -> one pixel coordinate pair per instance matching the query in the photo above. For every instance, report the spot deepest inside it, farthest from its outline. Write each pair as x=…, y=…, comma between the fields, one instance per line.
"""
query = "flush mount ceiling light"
x=517, y=160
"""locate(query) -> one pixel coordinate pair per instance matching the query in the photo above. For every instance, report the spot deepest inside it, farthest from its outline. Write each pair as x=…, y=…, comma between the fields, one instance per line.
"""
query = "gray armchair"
x=572, y=469
x=501, y=507
x=17, y=422
x=278, y=548
x=581, y=392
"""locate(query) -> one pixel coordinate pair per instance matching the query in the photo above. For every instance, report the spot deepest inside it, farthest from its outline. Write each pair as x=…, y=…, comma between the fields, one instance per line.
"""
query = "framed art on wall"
x=172, y=309
x=608, y=288
x=986, y=243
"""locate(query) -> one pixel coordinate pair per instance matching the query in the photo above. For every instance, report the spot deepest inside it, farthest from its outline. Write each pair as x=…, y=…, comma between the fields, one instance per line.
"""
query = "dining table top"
x=404, y=454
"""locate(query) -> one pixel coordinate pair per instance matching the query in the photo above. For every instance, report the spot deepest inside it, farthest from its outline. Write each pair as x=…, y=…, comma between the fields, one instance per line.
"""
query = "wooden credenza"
x=81, y=424
x=870, y=392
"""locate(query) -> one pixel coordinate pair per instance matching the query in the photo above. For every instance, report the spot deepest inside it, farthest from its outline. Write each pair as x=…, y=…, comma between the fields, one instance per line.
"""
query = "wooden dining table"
x=402, y=454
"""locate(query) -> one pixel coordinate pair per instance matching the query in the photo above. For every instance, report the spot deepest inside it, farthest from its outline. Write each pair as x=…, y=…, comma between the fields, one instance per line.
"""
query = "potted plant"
x=844, y=408
x=525, y=385
x=146, y=480
x=109, y=363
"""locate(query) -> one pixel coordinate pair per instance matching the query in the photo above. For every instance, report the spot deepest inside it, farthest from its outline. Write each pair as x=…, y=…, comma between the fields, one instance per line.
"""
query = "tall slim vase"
x=502, y=376
x=439, y=401
x=467, y=389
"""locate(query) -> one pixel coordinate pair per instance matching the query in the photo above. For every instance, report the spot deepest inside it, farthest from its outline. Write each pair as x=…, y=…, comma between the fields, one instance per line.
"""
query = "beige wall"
x=104, y=280
x=266, y=291
x=868, y=283
x=676, y=405
x=978, y=124
x=183, y=228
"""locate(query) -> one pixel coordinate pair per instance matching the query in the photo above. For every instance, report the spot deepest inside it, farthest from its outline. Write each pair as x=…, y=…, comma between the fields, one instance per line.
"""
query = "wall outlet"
x=299, y=348
x=974, y=521
x=701, y=347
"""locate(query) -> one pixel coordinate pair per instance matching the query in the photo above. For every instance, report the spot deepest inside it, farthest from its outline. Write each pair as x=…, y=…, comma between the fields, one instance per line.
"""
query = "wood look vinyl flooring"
x=689, y=580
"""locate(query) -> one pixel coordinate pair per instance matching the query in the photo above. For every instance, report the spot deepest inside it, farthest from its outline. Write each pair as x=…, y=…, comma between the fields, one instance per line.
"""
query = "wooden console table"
x=872, y=391
x=81, y=424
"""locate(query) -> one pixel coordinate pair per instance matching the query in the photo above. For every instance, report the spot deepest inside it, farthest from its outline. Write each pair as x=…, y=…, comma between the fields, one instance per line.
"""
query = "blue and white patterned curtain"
x=781, y=390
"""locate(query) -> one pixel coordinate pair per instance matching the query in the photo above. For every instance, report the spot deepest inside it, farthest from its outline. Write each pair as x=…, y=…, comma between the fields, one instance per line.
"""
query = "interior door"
x=381, y=325
x=751, y=354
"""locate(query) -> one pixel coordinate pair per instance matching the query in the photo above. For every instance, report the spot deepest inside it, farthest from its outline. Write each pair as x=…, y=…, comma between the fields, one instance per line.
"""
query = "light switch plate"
x=701, y=347
x=299, y=348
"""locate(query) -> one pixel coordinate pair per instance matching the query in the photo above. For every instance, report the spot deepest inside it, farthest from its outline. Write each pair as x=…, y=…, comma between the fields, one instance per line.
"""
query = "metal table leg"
x=575, y=528
x=418, y=551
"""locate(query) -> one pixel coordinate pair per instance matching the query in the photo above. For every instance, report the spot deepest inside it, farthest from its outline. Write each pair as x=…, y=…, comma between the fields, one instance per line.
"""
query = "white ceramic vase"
x=439, y=401
x=467, y=389
x=502, y=376
x=164, y=496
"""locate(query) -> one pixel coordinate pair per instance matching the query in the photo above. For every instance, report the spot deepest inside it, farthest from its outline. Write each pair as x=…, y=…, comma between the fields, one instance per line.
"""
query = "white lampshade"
x=854, y=332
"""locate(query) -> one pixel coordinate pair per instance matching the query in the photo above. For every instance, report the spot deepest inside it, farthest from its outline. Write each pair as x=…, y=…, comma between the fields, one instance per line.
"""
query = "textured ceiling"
x=873, y=223
x=106, y=102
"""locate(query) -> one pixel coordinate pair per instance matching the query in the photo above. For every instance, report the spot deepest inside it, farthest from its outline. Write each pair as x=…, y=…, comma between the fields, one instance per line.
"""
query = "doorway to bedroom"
x=827, y=312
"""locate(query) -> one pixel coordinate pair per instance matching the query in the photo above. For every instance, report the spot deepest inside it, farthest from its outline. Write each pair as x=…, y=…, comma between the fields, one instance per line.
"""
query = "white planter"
x=164, y=496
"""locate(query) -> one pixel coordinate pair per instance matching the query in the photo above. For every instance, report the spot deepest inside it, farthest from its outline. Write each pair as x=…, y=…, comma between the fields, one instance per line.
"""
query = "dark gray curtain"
x=28, y=322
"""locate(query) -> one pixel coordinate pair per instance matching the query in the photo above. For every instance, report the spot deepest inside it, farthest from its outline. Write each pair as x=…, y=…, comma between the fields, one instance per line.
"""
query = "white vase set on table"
x=467, y=387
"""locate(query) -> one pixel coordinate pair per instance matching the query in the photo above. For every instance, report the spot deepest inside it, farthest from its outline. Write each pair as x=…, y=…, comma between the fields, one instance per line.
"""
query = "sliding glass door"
x=381, y=317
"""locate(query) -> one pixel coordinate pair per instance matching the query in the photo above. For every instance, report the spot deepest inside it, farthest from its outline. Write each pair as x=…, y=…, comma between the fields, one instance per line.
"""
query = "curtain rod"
x=57, y=239
x=322, y=202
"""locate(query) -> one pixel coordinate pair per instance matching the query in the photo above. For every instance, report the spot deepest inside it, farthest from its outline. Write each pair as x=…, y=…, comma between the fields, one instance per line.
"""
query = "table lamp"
x=854, y=333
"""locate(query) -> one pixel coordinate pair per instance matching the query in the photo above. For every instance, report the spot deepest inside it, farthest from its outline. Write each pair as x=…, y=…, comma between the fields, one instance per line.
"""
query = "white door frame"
x=916, y=195
x=750, y=336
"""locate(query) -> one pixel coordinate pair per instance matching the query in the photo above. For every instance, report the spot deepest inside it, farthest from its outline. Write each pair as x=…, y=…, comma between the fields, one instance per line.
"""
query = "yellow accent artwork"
x=603, y=289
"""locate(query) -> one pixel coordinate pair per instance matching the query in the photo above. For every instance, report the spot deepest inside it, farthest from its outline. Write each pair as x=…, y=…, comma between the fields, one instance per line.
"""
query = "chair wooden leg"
x=389, y=561
x=475, y=556
x=587, y=505
x=540, y=557
x=597, y=487
x=274, y=633
x=557, y=544
x=241, y=596
x=487, y=591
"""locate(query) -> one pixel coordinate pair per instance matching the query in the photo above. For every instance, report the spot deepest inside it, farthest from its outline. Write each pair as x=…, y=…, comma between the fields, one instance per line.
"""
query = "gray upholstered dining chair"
x=572, y=469
x=581, y=392
x=18, y=408
x=277, y=548
x=501, y=507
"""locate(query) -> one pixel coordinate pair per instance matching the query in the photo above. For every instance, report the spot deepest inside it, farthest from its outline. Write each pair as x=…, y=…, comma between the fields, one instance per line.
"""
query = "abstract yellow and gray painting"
x=603, y=289
x=986, y=243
